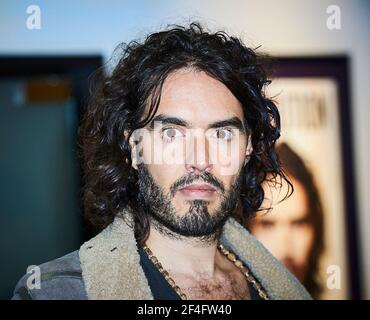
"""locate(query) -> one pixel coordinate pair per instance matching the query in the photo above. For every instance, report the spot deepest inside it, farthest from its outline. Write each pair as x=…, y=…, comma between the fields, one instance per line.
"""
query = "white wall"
x=285, y=27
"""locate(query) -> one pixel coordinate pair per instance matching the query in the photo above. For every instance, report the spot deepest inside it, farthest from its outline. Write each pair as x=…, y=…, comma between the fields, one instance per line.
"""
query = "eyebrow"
x=231, y=122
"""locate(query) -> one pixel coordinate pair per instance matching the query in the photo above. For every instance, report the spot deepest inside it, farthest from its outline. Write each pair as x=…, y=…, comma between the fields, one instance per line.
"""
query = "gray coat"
x=108, y=267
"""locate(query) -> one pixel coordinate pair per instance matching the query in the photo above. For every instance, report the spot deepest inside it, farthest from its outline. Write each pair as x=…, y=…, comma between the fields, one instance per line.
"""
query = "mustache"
x=204, y=176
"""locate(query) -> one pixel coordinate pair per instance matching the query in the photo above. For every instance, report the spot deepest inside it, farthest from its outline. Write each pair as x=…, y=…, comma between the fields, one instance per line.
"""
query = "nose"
x=282, y=243
x=197, y=153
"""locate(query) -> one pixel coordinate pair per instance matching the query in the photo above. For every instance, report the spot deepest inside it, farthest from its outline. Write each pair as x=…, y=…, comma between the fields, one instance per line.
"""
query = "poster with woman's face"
x=307, y=231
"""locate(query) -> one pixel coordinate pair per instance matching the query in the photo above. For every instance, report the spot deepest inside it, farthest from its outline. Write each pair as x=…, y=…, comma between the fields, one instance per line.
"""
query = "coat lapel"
x=110, y=264
x=111, y=268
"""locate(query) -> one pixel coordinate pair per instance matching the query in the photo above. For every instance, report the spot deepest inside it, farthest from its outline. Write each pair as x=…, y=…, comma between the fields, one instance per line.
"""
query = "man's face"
x=286, y=231
x=193, y=155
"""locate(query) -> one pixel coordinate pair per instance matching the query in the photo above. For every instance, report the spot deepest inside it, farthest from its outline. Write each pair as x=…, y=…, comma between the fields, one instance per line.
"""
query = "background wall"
x=40, y=218
x=286, y=27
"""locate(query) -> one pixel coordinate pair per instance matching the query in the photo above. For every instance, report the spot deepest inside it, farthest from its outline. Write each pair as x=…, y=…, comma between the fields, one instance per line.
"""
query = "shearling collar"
x=111, y=268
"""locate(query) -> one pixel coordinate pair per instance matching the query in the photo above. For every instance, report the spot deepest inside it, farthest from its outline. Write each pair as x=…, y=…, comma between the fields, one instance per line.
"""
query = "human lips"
x=198, y=191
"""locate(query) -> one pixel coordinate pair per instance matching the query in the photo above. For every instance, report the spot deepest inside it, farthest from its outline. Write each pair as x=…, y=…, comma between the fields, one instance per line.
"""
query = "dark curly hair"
x=295, y=167
x=133, y=89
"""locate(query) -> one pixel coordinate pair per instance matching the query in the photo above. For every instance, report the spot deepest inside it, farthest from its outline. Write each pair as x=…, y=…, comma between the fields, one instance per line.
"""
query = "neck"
x=184, y=255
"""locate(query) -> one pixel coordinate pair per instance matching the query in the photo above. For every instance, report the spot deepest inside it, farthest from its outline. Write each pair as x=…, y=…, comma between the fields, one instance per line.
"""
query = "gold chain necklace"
x=228, y=253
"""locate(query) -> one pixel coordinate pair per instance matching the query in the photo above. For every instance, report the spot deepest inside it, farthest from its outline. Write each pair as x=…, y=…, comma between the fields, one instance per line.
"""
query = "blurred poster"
x=307, y=231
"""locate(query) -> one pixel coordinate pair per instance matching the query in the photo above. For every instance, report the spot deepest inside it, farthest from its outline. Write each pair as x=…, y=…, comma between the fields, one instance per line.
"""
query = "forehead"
x=195, y=96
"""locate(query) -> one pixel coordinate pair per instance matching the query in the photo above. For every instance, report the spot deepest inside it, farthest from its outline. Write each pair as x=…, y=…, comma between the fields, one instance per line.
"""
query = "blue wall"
x=39, y=210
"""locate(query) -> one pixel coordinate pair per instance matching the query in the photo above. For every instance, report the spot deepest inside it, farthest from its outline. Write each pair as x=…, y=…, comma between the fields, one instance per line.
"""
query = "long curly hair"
x=295, y=167
x=133, y=89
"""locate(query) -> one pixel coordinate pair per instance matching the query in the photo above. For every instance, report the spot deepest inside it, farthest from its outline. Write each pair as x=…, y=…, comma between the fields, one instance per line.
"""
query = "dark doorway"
x=41, y=101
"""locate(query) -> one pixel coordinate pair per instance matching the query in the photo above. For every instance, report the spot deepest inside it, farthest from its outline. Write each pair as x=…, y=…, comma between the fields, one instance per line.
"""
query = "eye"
x=169, y=134
x=300, y=223
x=224, y=134
x=266, y=224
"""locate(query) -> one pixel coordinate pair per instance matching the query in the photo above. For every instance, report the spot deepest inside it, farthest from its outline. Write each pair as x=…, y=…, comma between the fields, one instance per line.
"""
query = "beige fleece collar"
x=111, y=268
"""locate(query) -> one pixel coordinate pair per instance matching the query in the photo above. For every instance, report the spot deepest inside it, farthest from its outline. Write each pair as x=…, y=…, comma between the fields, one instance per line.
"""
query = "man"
x=294, y=229
x=170, y=140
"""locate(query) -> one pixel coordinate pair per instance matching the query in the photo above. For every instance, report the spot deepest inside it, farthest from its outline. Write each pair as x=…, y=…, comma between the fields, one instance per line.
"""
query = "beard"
x=197, y=221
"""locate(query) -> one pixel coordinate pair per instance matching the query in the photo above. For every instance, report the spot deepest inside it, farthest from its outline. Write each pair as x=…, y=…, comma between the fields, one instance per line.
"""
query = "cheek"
x=172, y=153
x=268, y=237
x=304, y=239
x=261, y=233
x=227, y=158
x=164, y=175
